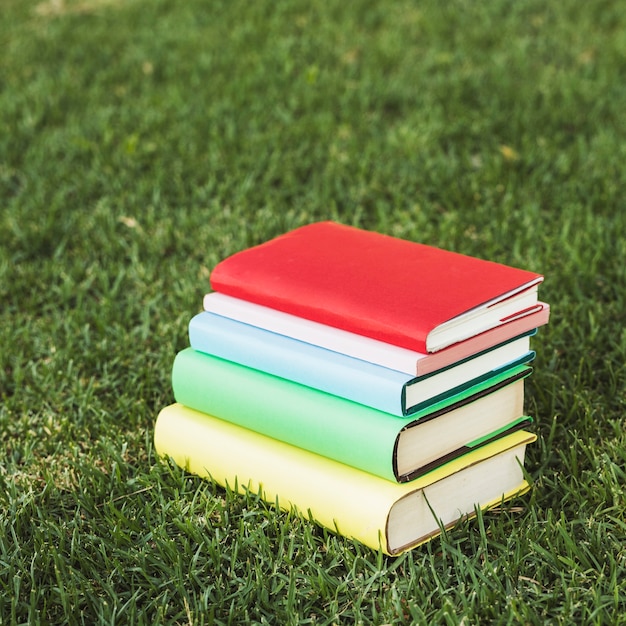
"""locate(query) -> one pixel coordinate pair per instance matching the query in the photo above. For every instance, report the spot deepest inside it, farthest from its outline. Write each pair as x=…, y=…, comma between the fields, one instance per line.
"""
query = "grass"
x=144, y=141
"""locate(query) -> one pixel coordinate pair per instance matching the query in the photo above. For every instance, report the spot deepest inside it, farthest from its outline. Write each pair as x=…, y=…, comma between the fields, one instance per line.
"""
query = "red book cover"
x=376, y=285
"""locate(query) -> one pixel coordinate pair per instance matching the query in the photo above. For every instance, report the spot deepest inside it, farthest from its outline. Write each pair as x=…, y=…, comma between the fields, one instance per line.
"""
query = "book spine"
x=348, y=432
x=344, y=500
x=337, y=374
x=329, y=337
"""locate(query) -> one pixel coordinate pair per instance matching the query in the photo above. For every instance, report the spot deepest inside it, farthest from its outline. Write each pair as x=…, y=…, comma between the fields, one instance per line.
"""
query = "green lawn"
x=143, y=141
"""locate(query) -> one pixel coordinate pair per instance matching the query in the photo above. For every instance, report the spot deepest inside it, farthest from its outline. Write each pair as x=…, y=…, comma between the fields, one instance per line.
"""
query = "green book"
x=395, y=448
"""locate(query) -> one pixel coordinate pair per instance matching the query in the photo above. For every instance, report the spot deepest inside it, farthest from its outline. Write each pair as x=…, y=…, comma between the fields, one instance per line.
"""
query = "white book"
x=508, y=338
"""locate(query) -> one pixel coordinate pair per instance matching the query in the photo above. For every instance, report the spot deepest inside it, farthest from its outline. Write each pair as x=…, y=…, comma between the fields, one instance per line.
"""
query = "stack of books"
x=374, y=384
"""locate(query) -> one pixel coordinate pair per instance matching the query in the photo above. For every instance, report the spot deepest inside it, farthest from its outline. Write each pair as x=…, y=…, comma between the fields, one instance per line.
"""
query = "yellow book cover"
x=379, y=513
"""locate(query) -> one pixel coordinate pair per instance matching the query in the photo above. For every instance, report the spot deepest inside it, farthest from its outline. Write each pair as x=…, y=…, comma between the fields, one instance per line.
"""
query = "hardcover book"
x=408, y=294
x=382, y=515
x=360, y=381
x=394, y=448
x=365, y=348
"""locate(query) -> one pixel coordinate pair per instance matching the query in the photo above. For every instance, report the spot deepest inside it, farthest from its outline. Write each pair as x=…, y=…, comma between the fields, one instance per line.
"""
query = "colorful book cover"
x=401, y=292
x=382, y=515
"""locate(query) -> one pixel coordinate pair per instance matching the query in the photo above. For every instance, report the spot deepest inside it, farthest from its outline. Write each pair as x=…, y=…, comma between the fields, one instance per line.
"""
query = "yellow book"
x=379, y=513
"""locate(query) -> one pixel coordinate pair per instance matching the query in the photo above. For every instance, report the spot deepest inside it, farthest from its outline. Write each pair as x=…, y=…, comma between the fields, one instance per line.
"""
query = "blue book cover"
x=374, y=386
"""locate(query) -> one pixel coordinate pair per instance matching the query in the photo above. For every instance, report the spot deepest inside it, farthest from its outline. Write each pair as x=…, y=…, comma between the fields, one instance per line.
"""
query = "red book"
x=404, y=293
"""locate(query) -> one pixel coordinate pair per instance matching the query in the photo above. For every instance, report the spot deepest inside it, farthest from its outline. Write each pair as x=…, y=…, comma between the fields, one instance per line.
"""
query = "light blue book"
x=378, y=387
